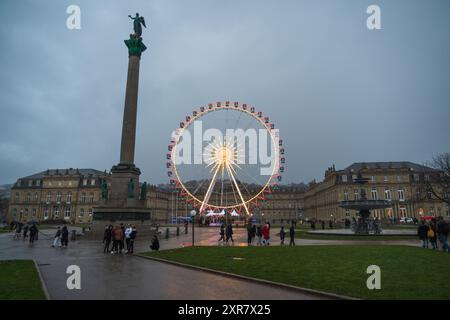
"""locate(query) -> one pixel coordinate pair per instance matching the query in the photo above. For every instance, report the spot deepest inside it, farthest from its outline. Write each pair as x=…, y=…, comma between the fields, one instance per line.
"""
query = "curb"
x=260, y=281
x=44, y=287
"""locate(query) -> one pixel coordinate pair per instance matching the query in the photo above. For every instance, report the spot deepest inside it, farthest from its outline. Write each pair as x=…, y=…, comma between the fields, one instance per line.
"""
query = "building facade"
x=57, y=195
x=401, y=183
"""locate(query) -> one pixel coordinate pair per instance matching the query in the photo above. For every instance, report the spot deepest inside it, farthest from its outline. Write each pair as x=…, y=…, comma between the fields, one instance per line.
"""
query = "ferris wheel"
x=225, y=156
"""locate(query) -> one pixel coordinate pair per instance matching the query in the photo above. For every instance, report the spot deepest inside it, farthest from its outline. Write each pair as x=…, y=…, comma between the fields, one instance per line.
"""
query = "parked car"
x=406, y=220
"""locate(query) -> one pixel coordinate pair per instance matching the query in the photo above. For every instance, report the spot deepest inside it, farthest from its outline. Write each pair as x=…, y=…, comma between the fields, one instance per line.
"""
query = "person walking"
x=432, y=234
x=18, y=231
x=229, y=233
x=442, y=231
x=282, y=235
x=64, y=236
x=292, y=235
x=57, y=239
x=249, y=233
x=128, y=231
x=222, y=232
x=259, y=234
x=133, y=234
x=25, y=231
x=107, y=238
x=422, y=232
x=33, y=233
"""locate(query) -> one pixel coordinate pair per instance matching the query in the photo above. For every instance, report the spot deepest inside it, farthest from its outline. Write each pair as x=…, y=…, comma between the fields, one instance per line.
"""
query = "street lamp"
x=193, y=213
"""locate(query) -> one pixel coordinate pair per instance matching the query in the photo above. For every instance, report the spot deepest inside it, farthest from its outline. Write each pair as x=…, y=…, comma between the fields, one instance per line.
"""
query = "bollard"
x=178, y=231
x=167, y=233
x=185, y=229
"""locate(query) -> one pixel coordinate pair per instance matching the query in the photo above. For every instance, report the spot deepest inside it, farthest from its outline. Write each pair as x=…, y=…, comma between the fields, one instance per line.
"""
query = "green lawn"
x=406, y=272
x=19, y=280
x=302, y=234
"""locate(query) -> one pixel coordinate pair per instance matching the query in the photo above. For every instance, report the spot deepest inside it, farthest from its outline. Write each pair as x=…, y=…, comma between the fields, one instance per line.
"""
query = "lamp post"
x=193, y=213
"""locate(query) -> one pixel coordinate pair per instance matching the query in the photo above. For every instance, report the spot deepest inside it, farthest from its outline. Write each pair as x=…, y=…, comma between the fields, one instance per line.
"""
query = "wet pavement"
x=107, y=276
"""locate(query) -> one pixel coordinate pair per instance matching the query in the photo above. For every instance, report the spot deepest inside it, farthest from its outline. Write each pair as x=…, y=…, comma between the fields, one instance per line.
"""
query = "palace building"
x=401, y=183
x=58, y=194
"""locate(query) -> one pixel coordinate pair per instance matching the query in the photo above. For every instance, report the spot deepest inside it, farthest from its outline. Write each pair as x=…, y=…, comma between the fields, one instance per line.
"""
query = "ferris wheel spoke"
x=208, y=192
x=237, y=188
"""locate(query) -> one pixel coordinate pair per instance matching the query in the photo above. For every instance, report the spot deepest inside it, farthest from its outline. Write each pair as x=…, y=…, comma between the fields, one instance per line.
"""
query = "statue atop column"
x=137, y=21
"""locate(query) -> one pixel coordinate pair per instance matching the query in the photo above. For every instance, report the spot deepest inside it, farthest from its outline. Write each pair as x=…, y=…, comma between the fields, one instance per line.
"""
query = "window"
x=401, y=195
x=385, y=179
x=448, y=213
x=403, y=212
x=427, y=177
x=84, y=182
x=69, y=197
x=33, y=212
x=356, y=194
x=387, y=195
x=45, y=213
x=35, y=196
x=344, y=178
x=17, y=197
x=354, y=177
x=30, y=183
x=26, y=212
x=56, y=211
x=67, y=212
x=58, y=197
x=15, y=212
x=90, y=212
x=81, y=212
x=347, y=213
x=374, y=194
x=93, y=182
x=372, y=178
x=83, y=197
x=38, y=183
x=345, y=195
x=49, y=197
x=91, y=197
x=28, y=197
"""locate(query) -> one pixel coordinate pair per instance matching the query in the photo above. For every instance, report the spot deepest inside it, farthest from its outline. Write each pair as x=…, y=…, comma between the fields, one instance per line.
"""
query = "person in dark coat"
x=253, y=232
x=229, y=233
x=282, y=236
x=64, y=236
x=25, y=231
x=122, y=242
x=33, y=233
x=443, y=229
x=292, y=235
x=107, y=235
x=222, y=232
x=323, y=224
x=155, y=243
x=422, y=232
x=249, y=233
x=432, y=234
x=259, y=234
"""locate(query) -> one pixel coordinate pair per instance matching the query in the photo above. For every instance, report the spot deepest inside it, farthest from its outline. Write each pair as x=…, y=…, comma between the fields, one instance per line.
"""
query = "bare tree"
x=439, y=185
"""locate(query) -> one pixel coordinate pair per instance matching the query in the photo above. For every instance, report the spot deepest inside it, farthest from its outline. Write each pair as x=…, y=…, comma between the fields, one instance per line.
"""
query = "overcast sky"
x=338, y=92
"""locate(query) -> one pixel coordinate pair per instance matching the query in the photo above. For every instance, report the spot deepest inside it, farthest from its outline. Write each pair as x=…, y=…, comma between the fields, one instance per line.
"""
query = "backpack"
x=430, y=233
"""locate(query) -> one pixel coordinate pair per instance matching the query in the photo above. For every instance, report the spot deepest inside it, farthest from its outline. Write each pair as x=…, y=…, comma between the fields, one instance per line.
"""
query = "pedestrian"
x=118, y=237
x=432, y=234
x=313, y=225
x=122, y=241
x=292, y=235
x=25, y=231
x=128, y=231
x=57, y=239
x=249, y=233
x=266, y=234
x=282, y=235
x=18, y=230
x=442, y=230
x=64, y=236
x=330, y=224
x=133, y=235
x=253, y=232
x=229, y=233
x=422, y=232
x=155, y=243
x=323, y=224
x=107, y=238
x=259, y=234
x=33, y=233
x=114, y=241
x=222, y=232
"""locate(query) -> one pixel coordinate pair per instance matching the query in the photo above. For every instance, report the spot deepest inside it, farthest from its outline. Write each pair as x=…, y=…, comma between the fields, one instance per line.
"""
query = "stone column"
x=130, y=112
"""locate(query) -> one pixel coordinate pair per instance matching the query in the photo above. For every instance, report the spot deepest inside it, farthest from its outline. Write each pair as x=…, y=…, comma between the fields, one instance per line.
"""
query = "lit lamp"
x=193, y=213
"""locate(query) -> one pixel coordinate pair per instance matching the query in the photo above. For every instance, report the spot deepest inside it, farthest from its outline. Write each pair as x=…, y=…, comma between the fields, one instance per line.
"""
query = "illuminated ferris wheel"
x=225, y=156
